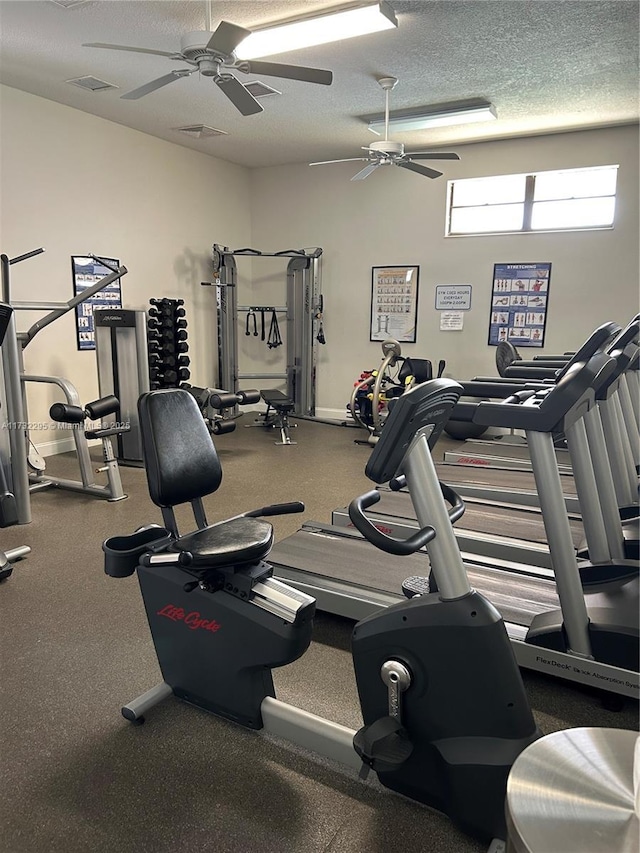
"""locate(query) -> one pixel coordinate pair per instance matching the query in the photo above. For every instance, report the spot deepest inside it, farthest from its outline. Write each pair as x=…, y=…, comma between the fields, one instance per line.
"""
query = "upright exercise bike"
x=444, y=708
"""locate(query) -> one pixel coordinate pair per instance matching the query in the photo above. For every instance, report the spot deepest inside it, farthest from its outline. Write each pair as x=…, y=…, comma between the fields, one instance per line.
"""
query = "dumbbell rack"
x=168, y=347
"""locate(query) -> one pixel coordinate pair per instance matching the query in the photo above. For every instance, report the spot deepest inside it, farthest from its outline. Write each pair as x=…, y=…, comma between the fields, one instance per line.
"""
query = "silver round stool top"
x=574, y=792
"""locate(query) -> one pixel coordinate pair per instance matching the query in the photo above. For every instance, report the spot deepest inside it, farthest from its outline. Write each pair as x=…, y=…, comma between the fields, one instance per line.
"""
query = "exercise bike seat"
x=229, y=543
x=183, y=466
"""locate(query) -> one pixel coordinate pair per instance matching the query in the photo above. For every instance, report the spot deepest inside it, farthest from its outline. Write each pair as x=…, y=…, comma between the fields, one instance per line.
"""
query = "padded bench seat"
x=279, y=407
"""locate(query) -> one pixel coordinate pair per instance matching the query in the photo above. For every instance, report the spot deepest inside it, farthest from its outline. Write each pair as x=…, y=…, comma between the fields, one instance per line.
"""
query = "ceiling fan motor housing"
x=386, y=146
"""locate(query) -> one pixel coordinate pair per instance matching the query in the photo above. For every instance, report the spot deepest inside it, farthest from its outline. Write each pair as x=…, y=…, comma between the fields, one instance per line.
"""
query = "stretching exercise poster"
x=519, y=301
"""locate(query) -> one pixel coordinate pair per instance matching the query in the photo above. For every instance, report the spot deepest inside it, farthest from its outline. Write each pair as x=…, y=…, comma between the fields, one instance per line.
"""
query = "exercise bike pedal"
x=416, y=585
x=383, y=745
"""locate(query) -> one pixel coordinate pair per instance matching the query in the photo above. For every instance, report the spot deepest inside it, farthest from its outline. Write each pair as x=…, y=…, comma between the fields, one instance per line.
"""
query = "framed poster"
x=519, y=302
x=394, y=303
x=86, y=272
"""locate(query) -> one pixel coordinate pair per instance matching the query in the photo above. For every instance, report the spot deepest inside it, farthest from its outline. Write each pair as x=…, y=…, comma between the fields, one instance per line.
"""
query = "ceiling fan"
x=389, y=153
x=212, y=54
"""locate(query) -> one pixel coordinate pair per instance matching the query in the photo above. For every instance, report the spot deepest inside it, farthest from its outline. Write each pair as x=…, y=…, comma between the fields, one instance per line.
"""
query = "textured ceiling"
x=546, y=65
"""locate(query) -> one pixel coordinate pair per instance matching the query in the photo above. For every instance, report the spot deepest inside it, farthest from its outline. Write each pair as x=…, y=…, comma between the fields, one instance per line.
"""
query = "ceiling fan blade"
x=134, y=49
x=156, y=84
x=227, y=37
x=415, y=167
x=348, y=160
x=291, y=72
x=425, y=155
x=360, y=176
x=238, y=94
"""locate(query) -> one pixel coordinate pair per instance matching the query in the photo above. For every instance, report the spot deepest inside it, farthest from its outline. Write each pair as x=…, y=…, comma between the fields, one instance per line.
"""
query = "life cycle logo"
x=192, y=619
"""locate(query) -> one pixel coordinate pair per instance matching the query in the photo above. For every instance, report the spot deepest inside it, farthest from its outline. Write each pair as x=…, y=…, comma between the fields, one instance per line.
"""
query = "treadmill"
x=555, y=626
x=483, y=530
x=618, y=413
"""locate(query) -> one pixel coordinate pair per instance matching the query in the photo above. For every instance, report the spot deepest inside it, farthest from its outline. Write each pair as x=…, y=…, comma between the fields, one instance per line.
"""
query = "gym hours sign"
x=519, y=300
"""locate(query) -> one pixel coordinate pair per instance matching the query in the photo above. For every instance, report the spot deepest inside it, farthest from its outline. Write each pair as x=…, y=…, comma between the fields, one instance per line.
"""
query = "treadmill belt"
x=481, y=518
x=357, y=562
x=352, y=559
x=498, y=478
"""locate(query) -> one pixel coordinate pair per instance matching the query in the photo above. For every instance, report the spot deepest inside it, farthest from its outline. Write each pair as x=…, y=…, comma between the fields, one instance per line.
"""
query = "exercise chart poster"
x=519, y=302
x=86, y=272
x=394, y=303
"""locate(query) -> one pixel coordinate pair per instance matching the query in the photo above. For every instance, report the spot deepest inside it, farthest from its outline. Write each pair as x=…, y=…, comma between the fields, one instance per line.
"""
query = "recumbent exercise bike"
x=444, y=707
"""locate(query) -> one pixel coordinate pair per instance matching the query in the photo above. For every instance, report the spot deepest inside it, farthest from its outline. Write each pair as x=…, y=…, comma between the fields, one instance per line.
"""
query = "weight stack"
x=168, y=347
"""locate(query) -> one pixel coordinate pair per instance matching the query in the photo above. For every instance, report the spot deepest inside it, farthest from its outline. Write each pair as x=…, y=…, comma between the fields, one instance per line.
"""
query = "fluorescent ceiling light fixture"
x=341, y=23
x=435, y=118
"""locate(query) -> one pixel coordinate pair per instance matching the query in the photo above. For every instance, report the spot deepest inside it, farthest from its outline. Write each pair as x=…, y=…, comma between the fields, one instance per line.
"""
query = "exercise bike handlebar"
x=276, y=509
x=399, y=547
x=458, y=506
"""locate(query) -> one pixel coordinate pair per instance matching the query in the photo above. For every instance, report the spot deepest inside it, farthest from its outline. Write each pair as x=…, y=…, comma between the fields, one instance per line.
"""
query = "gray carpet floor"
x=75, y=647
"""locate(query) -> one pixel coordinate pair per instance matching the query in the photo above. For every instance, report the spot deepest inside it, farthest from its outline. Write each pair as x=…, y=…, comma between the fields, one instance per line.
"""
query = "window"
x=544, y=201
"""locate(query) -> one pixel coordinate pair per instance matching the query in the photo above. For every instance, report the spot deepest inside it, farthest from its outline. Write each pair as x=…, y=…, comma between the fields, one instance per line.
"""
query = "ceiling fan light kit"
x=435, y=118
x=340, y=23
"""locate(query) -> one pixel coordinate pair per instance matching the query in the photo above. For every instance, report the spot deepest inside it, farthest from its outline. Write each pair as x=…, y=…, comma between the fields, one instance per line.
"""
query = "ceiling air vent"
x=200, y=131
x=260, y=90
x=92, y=83
x=69, y=4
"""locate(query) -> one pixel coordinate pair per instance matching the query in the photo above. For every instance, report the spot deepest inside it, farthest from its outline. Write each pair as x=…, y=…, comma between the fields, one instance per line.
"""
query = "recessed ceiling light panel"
x=436, y=116
x=334, y=25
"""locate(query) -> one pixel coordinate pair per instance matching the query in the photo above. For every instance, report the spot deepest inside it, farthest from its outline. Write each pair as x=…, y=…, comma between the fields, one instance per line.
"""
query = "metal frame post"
x=431, y=511
x=16, y=421
x=604, y=479
x=556, y=524
x=587, y=490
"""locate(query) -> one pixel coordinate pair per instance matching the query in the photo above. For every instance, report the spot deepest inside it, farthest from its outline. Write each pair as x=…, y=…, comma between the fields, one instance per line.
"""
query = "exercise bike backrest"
x=418, y=369
x=182, y=466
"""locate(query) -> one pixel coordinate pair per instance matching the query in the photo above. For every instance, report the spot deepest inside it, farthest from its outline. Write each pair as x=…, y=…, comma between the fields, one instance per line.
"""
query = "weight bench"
x=279, y=407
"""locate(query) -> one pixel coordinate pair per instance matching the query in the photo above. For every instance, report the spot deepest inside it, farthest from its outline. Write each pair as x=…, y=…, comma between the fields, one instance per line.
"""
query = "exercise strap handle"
x=274, y=340
x=251, y=321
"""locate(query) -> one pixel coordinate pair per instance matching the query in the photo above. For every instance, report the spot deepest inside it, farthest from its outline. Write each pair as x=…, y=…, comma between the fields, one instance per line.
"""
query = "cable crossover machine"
x=303, y=311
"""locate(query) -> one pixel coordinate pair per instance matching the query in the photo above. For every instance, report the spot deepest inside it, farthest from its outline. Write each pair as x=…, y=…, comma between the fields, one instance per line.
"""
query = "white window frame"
x=528, y=201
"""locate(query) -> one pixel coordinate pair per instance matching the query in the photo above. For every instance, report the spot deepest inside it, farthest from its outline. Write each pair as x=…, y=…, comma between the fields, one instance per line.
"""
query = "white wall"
x=396, y=217
x=73, y=183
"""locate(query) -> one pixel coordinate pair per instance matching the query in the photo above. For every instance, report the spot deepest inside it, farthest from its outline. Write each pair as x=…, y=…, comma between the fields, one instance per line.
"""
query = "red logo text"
x=192, y=619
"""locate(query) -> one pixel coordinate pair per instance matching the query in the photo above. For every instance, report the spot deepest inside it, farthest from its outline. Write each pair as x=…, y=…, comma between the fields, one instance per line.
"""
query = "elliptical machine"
x=444, y=707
